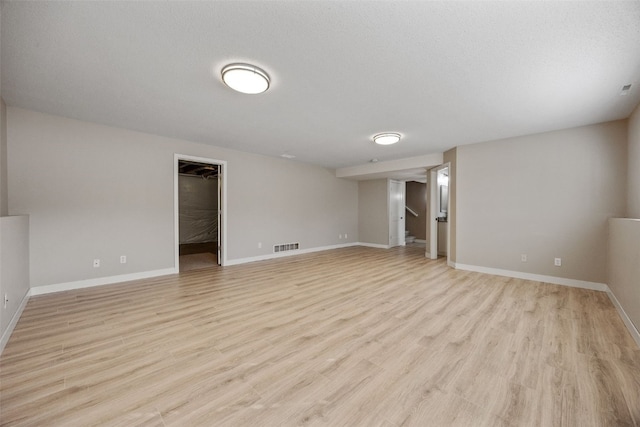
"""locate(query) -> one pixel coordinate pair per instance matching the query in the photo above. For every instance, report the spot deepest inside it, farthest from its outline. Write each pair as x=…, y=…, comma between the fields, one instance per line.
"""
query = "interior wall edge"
x=635, y=334
x=624, y=270
x=100, y=281
x=14, y=321
x=554, y=280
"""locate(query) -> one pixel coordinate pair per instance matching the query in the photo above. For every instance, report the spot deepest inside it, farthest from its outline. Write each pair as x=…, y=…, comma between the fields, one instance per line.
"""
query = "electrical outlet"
x=96, y=263
x=123, y=259
x=339, y=236
x=259, y=245
x=6, y=300
x=557, y=262
x=523, y=257
x=345, y=235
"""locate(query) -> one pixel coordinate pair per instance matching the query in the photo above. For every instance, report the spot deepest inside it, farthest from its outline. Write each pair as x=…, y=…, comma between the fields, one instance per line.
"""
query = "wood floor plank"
x=348, y=337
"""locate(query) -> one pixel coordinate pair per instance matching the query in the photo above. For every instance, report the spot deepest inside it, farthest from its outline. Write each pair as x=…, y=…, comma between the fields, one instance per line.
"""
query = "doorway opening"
x=396, y=195
x=416, y=212
x=198, y=210
x=439, y=212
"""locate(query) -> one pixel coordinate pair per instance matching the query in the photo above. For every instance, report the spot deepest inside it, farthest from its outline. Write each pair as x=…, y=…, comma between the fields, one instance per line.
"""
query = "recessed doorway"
x=199, y=218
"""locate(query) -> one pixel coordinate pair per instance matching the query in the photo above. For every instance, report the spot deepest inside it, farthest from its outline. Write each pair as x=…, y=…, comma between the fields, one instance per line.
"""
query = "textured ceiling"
x=441, y=73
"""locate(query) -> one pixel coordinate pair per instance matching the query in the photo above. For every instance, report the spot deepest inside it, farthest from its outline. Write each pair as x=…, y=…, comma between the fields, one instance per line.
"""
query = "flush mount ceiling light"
x=386, y=138
x=245, y=78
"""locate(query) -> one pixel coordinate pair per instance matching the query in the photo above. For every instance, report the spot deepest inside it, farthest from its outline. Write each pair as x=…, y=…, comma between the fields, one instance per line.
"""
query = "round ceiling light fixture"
x=386, y=138
x=245, y=78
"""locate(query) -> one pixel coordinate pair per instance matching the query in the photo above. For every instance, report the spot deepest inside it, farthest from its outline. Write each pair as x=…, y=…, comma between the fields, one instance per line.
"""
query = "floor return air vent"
x=286, y=247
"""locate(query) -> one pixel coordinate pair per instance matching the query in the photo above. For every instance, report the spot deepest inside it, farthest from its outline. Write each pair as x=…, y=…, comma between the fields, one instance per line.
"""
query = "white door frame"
x=222, y=210
x=433, y=204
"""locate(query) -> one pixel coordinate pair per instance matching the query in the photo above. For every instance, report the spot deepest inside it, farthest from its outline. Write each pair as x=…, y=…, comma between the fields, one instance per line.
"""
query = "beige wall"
x=547, y=195
x=94, y=191
x=624, y=265
x=443, y=230
x=4, y=205
x=373, y=212
x=417, y=200
x=633, y=190
x=14, y=274
x=4, y=209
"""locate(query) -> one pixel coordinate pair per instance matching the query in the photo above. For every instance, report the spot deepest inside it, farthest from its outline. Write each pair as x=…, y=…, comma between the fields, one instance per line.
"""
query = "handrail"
x=411, y=211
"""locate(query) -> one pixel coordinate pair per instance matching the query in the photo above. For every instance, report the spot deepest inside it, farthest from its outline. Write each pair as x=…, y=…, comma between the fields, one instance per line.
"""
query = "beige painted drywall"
x=417, y=200
x=451, y=157
x=95, y=191
x=547, y=195
x=4, y=208
x=4, y=189
x=442, y=238
x=624, y=265
x=633, y=176
x=14, y=271
x=389, y=168
x=373, y=212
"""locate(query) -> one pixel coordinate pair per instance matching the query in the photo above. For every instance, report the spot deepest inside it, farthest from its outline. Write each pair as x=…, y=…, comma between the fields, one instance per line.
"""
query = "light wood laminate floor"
x=349, y=337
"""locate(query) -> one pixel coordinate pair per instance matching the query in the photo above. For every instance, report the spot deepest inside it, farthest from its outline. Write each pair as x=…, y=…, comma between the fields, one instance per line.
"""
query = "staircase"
x=408, y=238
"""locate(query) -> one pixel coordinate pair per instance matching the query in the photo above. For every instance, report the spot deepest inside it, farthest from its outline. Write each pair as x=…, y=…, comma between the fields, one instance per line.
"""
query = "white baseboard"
x=428, y=255
x=559, y=281
x=41, y=290
x=80, y=284
x=14, y=321
x=420, y=241
x=373, y=245
x=625, y=318
x=535, y=277
x=238, y=261
x=100, y=281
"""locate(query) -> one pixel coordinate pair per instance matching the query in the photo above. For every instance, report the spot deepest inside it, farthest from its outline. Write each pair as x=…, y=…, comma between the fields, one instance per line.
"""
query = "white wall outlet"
x=523, y=257
x=557, y=262
x=6, y=300
x=259, y=245
x=123, y=259
x=345, y=235
x=339, y=236
x=96, y=263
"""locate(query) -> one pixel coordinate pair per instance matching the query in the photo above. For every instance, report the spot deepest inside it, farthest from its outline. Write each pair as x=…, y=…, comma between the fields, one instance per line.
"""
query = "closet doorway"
x=199, y=213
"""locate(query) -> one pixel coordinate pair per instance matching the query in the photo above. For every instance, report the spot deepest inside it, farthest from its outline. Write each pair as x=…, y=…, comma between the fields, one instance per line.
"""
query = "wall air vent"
x=286, y=247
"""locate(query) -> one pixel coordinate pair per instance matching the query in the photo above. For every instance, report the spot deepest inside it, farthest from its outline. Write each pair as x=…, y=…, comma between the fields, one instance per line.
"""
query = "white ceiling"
x=441, y=73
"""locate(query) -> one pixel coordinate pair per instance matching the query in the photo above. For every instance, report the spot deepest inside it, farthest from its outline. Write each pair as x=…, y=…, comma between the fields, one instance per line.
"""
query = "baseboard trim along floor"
x=352, y=336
